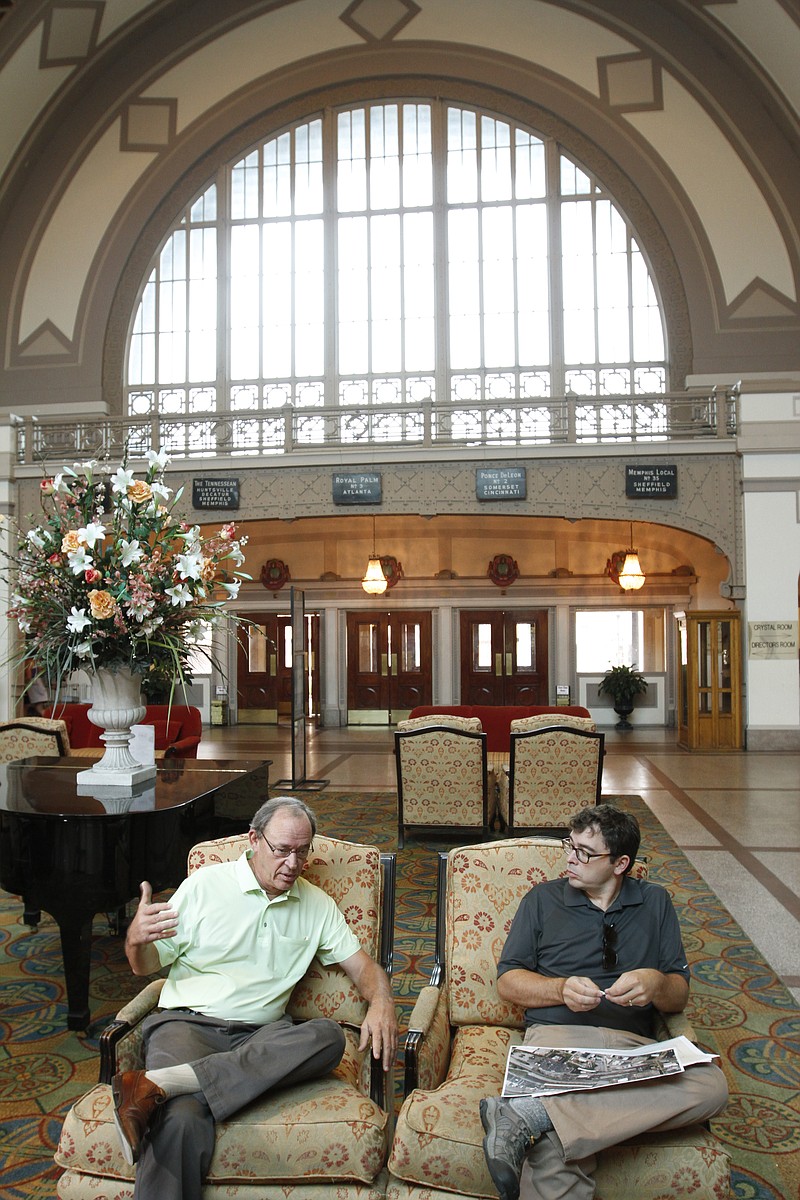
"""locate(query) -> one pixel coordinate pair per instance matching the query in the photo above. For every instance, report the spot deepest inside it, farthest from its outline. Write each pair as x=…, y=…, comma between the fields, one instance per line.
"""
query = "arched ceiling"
x=111, y=106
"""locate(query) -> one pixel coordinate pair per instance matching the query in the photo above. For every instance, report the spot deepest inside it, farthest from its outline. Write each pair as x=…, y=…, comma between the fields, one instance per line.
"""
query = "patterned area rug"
x=739, y=1009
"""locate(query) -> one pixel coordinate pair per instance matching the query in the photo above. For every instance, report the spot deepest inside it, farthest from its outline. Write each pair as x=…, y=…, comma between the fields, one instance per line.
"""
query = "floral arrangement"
x=111, y=577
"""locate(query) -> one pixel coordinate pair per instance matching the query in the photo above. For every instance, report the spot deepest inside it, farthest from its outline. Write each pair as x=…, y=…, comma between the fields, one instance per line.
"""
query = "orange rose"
x=70, y=542
x=139, y=492
x=102, y=604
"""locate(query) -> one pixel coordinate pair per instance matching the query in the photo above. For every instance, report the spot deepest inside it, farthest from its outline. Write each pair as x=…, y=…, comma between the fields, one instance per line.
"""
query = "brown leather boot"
x=136, y=1099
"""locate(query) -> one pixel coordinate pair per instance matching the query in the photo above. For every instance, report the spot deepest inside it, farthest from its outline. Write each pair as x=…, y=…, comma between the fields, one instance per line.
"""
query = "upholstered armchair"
x=458, y=1040
x=442, y=776
x=25, y=737
x=553, y=772
x=325, y=1138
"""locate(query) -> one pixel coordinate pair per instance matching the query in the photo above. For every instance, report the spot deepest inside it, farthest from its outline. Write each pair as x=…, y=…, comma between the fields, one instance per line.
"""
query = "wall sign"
x=501, y=483
x=357, y=488
x=651, y=483
x=215, y=493
x=772, y=639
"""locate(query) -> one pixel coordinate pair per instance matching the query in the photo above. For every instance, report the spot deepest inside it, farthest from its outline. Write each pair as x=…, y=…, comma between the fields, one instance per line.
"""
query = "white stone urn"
x=116, y=705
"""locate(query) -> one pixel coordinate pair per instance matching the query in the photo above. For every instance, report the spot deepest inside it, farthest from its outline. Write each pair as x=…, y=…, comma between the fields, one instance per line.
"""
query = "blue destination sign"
x=501, y=483
x=651, y=483
x=357, y=488
x=215, y=493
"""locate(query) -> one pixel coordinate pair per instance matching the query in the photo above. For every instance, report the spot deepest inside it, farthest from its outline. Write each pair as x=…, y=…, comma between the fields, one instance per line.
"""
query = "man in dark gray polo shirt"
x=589, y=956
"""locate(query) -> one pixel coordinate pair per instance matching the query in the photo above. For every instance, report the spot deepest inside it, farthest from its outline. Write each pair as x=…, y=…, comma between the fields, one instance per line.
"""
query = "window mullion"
x=442, y=369
x=330, y=239
x=556, y=266
x=223, y=373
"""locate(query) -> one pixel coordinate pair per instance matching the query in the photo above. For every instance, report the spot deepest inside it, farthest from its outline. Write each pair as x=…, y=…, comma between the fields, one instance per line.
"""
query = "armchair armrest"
x=427, y=1043
x=126, y=1026
x=183, y=747
x=671, y=1025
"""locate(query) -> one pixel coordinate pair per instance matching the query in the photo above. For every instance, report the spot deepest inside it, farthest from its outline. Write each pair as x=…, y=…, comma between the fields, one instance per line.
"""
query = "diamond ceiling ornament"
x=379, y=20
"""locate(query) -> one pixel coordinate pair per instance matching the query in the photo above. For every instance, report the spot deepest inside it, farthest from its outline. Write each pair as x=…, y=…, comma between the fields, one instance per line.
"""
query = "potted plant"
x=622, y=684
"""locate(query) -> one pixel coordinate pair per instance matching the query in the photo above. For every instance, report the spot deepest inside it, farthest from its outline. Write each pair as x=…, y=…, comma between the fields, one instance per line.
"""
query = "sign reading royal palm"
x=356, y=487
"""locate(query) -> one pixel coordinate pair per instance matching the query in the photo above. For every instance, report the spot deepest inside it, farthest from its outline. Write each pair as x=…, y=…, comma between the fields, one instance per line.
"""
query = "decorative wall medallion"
x=503, y=570
x=392, y=569
x=274, y=574
x=615, y=564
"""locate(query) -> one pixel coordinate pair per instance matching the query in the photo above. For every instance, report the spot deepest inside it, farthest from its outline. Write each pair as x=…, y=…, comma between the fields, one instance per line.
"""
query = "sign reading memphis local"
x=651, y=483
x=772, y=639
x=357, y=488
x=501, y=483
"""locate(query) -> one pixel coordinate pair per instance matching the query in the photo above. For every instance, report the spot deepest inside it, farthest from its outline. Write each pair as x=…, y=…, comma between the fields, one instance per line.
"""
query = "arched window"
x=394, y=272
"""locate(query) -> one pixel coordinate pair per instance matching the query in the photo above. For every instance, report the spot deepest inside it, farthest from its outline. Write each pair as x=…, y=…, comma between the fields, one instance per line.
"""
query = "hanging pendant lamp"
x=374, y=582
x=631, y=577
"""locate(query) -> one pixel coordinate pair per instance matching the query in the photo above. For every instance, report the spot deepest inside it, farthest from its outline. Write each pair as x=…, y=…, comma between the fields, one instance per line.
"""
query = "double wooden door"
x=504, y=657
x=264, y=668
x=388, y=665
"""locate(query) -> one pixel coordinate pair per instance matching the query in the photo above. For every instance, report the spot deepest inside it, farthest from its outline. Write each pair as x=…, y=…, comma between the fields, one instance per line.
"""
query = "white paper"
x=548, y=1070
x=142, y=744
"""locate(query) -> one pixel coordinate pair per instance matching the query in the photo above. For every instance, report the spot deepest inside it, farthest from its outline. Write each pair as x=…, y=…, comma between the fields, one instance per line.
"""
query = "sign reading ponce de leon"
x=651, y=482
x=215, y=493
x=501, y=483
x=357, y=488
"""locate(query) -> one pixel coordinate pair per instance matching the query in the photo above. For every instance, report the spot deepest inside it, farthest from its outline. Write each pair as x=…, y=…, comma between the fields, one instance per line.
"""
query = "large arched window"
x=367, y=268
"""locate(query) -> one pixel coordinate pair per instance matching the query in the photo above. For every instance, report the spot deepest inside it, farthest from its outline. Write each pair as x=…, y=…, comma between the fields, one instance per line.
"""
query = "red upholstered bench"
x=177, y=728
x=496, y=719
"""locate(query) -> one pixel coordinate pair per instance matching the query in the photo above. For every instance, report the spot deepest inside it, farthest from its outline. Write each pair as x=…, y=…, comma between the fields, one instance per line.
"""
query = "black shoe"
x=506, y=1143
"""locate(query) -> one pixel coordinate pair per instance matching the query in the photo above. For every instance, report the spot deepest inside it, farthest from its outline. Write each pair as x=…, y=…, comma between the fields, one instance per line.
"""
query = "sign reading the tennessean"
x=651, y=483
x=215, y=493
x=501, y=483
x=772, y=639
x=357, y=488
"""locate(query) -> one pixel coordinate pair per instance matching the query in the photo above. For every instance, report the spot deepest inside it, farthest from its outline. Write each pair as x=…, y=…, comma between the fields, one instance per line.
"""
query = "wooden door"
x=709, y=681
x=388, y=665
x=264, y=668
x=504, y=657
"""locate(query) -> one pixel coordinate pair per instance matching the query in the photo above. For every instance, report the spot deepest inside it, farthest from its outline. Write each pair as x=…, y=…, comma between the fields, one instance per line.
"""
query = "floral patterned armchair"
x=458, y=1040
x=554, y=771
x=325, y=1138
x=442, y=775
x=25, y=737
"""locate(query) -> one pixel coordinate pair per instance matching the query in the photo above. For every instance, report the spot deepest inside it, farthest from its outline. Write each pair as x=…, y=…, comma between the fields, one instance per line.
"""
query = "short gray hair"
x=278, y=804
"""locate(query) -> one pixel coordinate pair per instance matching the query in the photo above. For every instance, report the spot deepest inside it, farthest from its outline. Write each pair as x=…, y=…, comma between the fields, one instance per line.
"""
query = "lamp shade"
x=374, y=582
x=631, y=577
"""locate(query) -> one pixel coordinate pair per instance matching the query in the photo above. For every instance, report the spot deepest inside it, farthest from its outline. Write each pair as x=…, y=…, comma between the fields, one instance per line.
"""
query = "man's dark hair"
x=618, y=829
x=278, y=804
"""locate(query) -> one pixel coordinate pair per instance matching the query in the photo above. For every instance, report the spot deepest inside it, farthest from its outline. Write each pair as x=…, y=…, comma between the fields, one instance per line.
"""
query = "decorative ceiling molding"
x=47, y=342
x=148, y=124
x=761, y=301
x=70, y=32
x=631, y=82
x=379, y=20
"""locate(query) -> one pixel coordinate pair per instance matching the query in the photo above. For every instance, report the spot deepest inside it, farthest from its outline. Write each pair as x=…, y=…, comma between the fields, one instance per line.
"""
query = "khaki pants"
x=561, y=1163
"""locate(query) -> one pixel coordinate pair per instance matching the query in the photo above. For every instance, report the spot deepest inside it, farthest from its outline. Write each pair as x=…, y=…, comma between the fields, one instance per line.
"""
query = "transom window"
x=370, y=267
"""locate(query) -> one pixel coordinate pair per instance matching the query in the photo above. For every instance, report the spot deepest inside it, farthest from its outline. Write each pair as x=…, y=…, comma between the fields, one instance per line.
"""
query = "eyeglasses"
x=301, y=853
x=609, y=942
x=582, y=855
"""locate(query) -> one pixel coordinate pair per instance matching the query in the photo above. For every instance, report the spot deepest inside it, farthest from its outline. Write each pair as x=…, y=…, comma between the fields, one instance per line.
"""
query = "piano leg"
x=76, y=950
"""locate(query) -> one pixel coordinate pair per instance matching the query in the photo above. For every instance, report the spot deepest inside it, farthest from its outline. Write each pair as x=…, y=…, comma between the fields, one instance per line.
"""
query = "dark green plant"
x=622, y=684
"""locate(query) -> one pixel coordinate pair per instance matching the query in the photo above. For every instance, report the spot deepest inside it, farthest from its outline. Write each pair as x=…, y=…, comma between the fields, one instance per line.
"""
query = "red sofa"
x=496, y=719
x=178, y=728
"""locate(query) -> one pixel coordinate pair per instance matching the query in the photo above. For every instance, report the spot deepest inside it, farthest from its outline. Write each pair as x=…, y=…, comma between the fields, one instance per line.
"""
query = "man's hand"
x=150, y=923
x=648, y=986
x=580, y=994
x=380, y=1027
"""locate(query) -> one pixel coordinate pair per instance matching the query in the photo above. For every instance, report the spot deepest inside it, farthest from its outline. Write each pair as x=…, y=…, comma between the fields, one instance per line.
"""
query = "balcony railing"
x=563, y=421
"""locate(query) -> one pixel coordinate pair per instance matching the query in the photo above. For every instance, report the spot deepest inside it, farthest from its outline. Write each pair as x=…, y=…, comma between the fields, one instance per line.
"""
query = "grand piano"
x=76, y=855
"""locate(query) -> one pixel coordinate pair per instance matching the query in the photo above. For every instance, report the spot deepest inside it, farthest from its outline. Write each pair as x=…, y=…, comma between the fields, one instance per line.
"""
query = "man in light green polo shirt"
x=236, y=938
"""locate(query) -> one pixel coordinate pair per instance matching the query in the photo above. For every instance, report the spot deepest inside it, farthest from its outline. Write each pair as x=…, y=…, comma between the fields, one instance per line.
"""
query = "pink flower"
x=92, y=575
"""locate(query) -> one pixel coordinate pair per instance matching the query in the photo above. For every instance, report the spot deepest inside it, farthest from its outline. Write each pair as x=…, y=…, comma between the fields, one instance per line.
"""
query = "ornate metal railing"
x=562, y=421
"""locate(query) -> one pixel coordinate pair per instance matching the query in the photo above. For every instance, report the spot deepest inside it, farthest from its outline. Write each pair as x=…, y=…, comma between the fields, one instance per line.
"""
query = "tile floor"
x=736, y=816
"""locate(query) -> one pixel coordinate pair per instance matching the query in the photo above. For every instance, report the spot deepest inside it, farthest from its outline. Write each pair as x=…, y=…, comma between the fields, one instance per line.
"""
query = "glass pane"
x=525, y=646
x=368, y=653
x=609, y=638
x=704, y=666
x=481, y=646
x=410, y=652
x=257, y=649
x=287, y=647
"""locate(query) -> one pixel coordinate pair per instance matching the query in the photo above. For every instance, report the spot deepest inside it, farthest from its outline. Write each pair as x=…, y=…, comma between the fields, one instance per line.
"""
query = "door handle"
x=273, y=665
x=498, y=665
x=509, y=664
x=394, y=664
x=384, y=664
